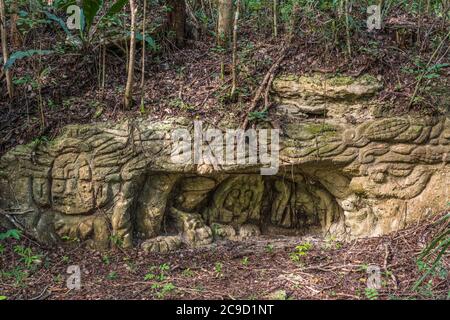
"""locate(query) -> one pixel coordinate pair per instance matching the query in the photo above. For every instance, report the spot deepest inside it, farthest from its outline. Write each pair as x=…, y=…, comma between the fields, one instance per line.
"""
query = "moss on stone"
x=321, y=128
x=288, y=77
x=341, y=81
x=368, y=79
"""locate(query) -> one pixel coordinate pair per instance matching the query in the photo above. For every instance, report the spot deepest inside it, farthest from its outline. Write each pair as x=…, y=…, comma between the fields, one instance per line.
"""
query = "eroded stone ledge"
x=116, y=183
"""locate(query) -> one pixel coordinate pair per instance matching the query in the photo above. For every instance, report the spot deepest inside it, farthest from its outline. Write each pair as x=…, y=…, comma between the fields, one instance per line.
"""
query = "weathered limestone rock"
x=116, y=183
x=322, y=95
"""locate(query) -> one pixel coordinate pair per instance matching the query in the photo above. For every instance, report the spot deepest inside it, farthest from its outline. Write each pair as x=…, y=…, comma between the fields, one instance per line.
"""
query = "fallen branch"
x=44, y=294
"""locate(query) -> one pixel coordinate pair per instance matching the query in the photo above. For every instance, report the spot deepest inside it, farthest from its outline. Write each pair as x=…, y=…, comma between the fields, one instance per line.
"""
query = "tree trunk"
x=347, y=29
x=14, y=17
x=275, y=18
x=144, y=23
x=234, y=67
x=128, y=99
x=176, y=18
x=224, y=24
x=293, y=20
x=9, y=83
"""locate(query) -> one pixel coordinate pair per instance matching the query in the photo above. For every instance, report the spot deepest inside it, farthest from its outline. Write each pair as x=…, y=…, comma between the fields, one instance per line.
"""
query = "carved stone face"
x=400, y=181
x=375, y=218
x=359, y=217
x=238, y=199
x=390, y=216
x=359, y=222
x=72, y=187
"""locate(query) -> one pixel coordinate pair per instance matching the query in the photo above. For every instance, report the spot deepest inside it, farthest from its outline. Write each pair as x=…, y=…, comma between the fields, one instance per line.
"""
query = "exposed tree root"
x=265, y=86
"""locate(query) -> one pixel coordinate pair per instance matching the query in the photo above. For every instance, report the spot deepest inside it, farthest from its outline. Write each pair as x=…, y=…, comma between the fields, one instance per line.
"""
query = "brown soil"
x=231, y=270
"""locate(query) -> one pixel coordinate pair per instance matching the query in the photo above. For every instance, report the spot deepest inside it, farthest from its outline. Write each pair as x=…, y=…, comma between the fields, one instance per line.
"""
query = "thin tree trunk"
x=224, y=23
x=234, y=67
x=293, y=21
x=9, y=83
x=176, y=18
x=128, y=99
x=143, y=55
x=419, y=23
x=347, y=29
x=275, y=18
x=14, y=33
x=445, y=11
x=103, y=48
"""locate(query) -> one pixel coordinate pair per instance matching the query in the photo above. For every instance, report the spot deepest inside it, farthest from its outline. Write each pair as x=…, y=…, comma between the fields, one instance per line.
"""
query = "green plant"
x=187, y=273
x=269, y=248
x=426, y=289
x=27, y=256
x=199, y=288
x=163, y=290
x=116, y=240
x=157, y=273
x=26, y=80
x=17, y=273
x=244, y=261
x=300, y=251
x=331, y=243
x=180, y=104
x=58, y=278
x=38, y=141
x=51, y=104
x=24, y=54
x=112, y=275
x=430, y=259
x=164, y=267
x=69, y=239
x=106, y=260
x=130, y=266
x=93, y=15
x=3, y=298
x=423, y=71
x=166, y=288
x=258, y=115
x=218, y=269
x=363, y=267
x=371, y=293
x=11, y=234
x=149, y=276
x=27, y=21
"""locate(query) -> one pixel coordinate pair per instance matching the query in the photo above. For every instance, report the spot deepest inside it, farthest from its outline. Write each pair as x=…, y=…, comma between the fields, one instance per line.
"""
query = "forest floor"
x=262, y=268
